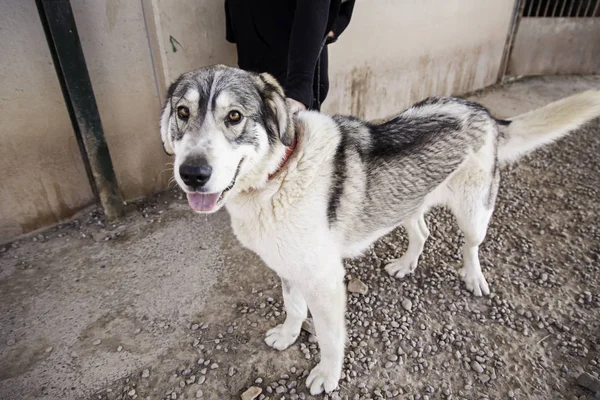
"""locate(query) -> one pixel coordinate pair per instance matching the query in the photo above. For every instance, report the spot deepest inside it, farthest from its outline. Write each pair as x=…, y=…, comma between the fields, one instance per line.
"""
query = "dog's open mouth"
x=206, y=202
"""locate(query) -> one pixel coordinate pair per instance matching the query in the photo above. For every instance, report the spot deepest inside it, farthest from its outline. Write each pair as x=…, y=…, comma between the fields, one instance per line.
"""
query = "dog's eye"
x=234, y=116
x=183, y=112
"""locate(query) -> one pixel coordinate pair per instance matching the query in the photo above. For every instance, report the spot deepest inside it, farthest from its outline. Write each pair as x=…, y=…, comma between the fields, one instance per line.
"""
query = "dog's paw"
x=280, y=338
x=475, y=282
x=322, y=378
x=401, y=267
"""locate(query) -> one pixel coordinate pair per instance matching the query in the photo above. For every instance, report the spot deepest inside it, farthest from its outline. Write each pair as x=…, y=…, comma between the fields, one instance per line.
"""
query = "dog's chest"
x=279, y=236
x=268, y=242
x=255, y=224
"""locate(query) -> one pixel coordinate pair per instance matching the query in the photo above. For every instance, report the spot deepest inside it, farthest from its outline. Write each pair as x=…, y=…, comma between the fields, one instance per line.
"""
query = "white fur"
x=542, y=126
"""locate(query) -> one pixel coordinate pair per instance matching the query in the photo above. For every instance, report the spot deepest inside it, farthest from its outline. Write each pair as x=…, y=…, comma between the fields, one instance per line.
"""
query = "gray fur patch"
x=405, y=159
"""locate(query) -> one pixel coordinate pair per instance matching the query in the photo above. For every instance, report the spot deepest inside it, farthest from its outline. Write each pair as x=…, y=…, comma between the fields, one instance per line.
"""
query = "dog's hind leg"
x=418, y=233
x=473, y=212
x=284, y=335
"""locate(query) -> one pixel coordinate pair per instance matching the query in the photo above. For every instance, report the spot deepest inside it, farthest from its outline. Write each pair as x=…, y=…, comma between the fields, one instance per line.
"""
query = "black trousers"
x=321, y=80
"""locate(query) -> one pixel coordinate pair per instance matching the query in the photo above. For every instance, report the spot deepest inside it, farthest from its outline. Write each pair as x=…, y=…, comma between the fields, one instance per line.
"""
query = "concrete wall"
x=392, y=54
x=115, y=44
x=43, y=179
x=554, y=46
x=198, y=32
x=397, y=52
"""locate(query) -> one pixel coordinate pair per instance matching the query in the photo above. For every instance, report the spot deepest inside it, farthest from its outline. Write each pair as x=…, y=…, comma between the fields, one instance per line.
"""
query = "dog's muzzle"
x=206, y=202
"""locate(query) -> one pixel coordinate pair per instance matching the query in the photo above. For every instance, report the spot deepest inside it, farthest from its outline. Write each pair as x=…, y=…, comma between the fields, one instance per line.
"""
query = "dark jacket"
x=285, y=38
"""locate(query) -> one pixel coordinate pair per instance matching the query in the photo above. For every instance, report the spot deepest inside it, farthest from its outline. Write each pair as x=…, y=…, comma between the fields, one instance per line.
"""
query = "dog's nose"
x=195, y=176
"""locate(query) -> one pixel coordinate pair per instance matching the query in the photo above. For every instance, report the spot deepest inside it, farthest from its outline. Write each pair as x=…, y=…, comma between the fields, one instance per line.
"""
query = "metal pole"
x=69, y=61
x=519, y=8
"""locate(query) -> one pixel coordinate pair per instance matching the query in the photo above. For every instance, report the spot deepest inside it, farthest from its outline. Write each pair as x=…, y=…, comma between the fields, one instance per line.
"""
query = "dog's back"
x=382, y=173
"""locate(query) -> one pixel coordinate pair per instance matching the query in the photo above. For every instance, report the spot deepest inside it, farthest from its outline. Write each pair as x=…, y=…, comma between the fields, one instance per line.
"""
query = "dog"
x=306, y=191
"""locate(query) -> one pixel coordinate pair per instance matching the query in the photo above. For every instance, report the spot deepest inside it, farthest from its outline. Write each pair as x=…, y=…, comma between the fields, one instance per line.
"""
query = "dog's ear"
x=165, y=121
x=165, y=118
x=278, y=117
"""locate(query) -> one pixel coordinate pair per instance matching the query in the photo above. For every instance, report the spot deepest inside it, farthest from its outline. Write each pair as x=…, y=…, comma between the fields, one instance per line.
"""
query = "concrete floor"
x=85, y=308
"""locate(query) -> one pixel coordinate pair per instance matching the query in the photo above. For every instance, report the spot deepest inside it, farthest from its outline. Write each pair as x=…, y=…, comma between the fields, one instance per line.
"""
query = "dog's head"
x=222, y=123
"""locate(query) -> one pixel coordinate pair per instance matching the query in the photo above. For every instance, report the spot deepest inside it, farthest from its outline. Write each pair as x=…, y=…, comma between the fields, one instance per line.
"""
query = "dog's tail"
x=527, y=132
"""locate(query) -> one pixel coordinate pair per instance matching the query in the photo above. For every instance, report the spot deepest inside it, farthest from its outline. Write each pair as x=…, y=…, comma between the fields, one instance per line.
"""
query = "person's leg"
x=324, y=84
x=321, y=81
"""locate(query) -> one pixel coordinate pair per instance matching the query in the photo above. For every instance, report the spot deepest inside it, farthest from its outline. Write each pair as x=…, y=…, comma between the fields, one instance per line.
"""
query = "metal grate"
x=562, y=8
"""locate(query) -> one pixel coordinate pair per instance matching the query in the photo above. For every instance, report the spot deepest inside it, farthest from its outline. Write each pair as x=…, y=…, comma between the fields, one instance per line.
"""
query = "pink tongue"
x=203, y=201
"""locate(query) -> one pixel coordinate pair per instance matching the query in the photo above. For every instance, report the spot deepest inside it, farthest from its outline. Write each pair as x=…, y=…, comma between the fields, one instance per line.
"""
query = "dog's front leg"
x=282, y=336
x=326, y=300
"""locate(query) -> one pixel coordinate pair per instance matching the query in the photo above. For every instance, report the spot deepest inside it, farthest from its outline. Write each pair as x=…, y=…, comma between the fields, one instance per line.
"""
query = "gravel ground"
x=422, y=337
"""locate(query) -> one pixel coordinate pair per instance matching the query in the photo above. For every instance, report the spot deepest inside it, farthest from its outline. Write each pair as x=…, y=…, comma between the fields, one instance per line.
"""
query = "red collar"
x=288, y=152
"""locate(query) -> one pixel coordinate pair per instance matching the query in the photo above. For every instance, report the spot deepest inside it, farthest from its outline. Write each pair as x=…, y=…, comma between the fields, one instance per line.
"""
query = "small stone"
x=484, y=378
x=195, y=327
x=145, y=373
x=201, y=379
x=214, y=366
x=131, y=393
x=589, y=381
x=199, y=394
x=407, y=305
x=511, y=394
x=357, y=286
x=392, y=357
x=309, y=326
x=120, y=349
x=231, y=371
x=477, y=367
x=280, y=389
x=97, y=342
x=251, y=393
x=49, y=349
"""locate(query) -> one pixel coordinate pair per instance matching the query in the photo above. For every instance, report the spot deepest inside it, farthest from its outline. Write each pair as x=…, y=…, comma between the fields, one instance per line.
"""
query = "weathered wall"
x=397, y=52
x=554, y=46
x=192, y=35
x=115, y=44
x=43, y=178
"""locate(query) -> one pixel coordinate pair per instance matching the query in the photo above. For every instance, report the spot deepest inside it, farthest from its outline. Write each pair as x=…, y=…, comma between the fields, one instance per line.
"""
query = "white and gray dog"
x=305, y=192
